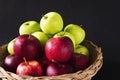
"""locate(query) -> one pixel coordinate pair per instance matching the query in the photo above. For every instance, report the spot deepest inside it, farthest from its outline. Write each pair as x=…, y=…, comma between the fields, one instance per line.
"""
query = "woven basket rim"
x=86, y=74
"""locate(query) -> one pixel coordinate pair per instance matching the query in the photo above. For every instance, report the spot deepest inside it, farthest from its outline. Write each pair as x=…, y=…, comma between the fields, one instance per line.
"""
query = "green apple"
x=42, y=37
x=29, y=27
x=77, y=31
x=10, y=47
x=51, y=23
x=63, y=33
x=80, y=49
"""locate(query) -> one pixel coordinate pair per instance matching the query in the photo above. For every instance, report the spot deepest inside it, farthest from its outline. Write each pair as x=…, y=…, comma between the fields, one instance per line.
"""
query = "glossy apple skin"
x=27, y=46
x=67, y=34
x=51, y=23
x=11, y=62
x=77, y=31
x=42, y=37
x=29, y=27
x=10, y=46
x=59, y=49
x=79, y=61
x=31, y=68
x=80, y=49
x=58, y=69
x=44, y=62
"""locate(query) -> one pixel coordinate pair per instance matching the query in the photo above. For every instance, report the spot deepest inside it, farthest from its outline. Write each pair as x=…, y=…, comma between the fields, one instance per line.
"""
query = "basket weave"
x=96, y=62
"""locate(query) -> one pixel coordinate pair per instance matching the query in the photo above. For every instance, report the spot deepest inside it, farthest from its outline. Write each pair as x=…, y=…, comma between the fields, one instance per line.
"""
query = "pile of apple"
x=47, y=48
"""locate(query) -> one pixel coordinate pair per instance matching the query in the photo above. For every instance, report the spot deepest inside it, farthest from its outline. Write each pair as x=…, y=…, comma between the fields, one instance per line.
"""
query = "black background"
x=99, y=19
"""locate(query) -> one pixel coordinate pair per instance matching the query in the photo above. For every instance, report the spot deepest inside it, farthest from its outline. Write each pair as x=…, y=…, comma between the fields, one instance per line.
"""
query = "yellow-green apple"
x=67, y=34
x=59, y=49
x=77, y=31
x=51, y=23
x=27, y=46
x=10, y=47
x=29, y=27
x=80, y=49
x=31, y=68
x=42, y=37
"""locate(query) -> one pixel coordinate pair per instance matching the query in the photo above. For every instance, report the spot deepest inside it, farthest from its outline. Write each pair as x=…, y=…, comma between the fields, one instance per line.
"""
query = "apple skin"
x=42, y=37
x=51, y=23
x=59, y=49
x=80, y=49
x=79, y=61
x=45, y=62
x=31, y=68
x=67, y=34
x=11, y=62
x=27, y=46
x=54, y=69
x=29, y=27
x=77, y=31
x=10, y=47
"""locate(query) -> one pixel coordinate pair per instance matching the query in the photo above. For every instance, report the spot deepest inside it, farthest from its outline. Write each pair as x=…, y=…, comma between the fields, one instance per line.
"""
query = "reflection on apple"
x=27, y=46
x=31, y=68
x=10, y=47
x=42, y=37
x=67, y=34
x=80, y=49
x=51, y=23
x=29, y=27
x=59, y=49
x=77, y=31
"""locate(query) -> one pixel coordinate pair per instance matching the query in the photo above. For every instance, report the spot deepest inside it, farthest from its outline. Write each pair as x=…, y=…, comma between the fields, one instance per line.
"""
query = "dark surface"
x=99, y=19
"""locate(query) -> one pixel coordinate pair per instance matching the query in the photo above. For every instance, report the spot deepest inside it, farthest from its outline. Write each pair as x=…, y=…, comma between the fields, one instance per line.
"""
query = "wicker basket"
x=96, y=62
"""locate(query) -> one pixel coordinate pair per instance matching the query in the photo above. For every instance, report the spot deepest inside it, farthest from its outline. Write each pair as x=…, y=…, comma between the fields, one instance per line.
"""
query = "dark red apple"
x=31, y=68
x=79, y=61
x=59, y=49
x=44, y=62
x=27, y=46
x=58, y=69
x=11, y=62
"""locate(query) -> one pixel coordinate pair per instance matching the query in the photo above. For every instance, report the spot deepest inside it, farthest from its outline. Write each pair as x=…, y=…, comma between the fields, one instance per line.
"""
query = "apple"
x=59, y=49
x=31, y=68
x=27, y=46
x=58, y=69
x=45, y=62
x=51, y=23
x=79, y=61
x=11, y=62
x=80, y=49
x=10, y=47
x=42, y=37
x=77, y=31
x=67, y=34
x=29, y=27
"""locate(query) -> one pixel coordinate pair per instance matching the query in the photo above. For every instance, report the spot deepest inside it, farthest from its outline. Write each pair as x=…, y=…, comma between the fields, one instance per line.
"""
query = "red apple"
x=58, y=69
x=11, y=62
x=31, y=68
x=27, y=46
x=79, y=61
x=59, y=49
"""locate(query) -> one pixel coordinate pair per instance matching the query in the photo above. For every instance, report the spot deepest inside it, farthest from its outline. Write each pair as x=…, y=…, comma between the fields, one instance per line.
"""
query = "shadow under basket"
x=96, y=62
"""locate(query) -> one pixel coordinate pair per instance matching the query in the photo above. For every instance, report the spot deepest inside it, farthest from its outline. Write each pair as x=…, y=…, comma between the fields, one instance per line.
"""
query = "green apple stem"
x=64, y=33
x=25, y=60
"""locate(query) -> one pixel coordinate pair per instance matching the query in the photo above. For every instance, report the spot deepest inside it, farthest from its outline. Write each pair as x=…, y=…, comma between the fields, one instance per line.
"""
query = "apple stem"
x=45, y=17
x=64, y=33
x=25, y=60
